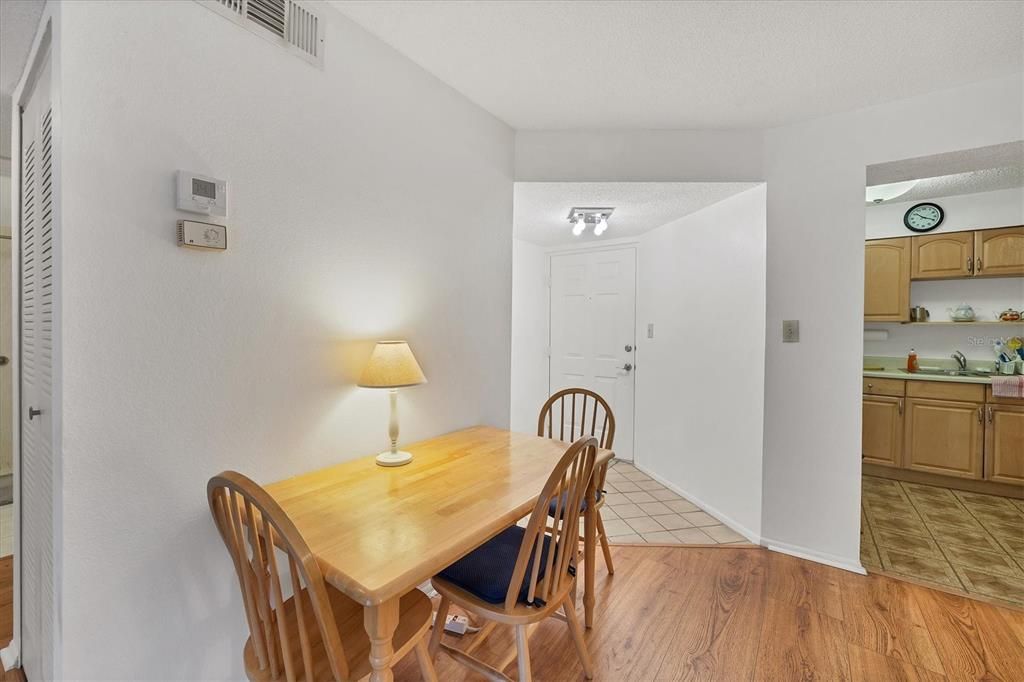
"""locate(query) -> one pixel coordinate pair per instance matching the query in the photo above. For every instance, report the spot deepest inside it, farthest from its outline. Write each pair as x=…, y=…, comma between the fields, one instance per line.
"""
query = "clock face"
x=923, y=217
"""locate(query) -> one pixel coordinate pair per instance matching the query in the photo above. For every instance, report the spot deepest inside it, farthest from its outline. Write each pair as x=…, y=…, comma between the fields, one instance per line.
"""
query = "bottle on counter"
x=912, y=365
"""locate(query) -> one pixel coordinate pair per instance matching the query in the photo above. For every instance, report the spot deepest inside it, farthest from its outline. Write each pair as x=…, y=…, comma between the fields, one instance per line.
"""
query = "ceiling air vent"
x=288, y=23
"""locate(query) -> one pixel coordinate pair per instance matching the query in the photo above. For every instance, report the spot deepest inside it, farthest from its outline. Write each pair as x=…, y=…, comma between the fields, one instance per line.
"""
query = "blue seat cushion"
x=583, y=503
x=487, y=571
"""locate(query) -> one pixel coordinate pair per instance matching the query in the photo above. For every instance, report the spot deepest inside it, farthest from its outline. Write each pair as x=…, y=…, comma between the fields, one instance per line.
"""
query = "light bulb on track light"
x=579, y=226
x=601, y=226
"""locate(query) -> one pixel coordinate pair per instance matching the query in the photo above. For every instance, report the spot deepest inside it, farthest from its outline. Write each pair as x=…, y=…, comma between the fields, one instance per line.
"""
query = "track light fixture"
x=581, y=217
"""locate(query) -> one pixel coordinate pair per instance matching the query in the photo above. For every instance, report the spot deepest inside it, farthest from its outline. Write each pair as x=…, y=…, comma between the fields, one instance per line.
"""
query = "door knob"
x=629, y=348
x=33, y=412
x=626, y=367
x=4, y=360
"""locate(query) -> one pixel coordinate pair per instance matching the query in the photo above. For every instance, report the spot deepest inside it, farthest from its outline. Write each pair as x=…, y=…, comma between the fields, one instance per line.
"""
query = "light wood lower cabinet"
x=944, y=437
x=1004, y=444
x=882, y=441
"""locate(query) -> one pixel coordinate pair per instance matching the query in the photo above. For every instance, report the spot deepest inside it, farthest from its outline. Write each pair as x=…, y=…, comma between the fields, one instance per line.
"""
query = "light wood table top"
x=378, y=531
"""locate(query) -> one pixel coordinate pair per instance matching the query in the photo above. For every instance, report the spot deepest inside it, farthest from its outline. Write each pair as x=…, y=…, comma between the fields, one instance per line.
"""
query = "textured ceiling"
x=18, y=21
x=1007, y=155
x=651, y=64
x=966, y=183
x=541, y=209
x=967, y=171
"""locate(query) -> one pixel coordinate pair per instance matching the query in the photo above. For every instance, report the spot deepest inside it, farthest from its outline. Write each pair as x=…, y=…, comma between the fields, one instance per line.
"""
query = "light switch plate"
x=650, y=330
x=791, y=331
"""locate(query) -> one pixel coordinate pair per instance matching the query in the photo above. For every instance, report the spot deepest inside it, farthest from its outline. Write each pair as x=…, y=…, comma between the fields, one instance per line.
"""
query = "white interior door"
x=6, y=366
x=593, y=323
x=36, y=263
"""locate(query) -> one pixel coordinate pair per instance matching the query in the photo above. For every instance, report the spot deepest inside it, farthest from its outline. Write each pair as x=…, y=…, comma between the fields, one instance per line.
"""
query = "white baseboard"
x=724, y=518
x=9, y=656
x=812, y=555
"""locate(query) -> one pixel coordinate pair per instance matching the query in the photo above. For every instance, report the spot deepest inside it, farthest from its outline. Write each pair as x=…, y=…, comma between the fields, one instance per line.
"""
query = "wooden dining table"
x=378, y=532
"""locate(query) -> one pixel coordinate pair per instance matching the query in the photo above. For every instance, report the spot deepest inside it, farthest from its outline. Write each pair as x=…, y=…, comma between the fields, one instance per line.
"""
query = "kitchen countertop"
x=903, y=374
x=886, y=367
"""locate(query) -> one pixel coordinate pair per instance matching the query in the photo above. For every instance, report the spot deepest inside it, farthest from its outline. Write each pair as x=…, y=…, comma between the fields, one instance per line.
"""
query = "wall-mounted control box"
x=202, y=194
x=791, y=331
x=199, y=235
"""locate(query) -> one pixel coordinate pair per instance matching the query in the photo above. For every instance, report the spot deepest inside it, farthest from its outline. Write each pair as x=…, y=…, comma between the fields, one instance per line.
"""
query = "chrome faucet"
x=960, y=360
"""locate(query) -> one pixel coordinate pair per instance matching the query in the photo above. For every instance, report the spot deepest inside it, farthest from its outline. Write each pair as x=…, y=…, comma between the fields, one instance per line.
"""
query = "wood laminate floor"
x=7, y=613
x=721, y=613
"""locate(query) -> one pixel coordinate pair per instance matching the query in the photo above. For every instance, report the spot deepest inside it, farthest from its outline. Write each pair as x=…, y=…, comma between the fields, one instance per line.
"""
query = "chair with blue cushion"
x=524, y=575
x=574, y=412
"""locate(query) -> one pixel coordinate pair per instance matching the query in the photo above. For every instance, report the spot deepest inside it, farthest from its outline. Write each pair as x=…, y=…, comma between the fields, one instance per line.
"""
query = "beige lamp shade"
x=392, y=365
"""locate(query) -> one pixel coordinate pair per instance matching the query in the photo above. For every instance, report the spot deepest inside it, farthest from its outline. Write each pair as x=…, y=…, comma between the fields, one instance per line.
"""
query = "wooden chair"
x=524, y=575
x=588, y=414
x=318, y=636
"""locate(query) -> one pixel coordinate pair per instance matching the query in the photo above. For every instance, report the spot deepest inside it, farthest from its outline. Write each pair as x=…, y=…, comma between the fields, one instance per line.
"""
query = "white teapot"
x=962, y=313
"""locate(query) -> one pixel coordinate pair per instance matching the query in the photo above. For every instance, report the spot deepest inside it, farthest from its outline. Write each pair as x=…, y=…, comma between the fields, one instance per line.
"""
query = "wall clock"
x=923, y=217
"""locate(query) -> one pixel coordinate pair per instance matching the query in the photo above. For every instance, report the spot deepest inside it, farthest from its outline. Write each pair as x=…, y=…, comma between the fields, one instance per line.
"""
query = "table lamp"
x=392, y=366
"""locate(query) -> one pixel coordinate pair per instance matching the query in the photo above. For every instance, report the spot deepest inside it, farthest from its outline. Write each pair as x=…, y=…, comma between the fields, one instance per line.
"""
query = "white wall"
x=815, y=274
x=530, y=302
x=367, y=200
x=981, y=210
x=700, y=387
x=811, y=492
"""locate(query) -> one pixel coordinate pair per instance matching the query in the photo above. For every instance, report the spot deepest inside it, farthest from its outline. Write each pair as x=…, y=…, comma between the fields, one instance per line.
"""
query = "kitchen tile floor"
x=641, y=510
x=968, y=542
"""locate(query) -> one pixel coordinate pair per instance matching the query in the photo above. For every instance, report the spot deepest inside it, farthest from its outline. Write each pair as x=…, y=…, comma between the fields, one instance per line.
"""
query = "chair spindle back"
x=252, y=524
x=588, y=414
x=567, y=488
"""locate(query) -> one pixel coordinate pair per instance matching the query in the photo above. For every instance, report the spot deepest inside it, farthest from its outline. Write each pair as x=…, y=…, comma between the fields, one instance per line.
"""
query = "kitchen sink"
x=950, y=372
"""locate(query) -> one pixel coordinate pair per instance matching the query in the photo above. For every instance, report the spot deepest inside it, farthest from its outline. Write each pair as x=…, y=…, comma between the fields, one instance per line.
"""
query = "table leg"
x=589, y=552
x=380, y=622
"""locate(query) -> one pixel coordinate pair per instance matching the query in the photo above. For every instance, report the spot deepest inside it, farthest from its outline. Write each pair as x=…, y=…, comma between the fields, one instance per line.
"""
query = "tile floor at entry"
x=641, y=510
x=968, y=542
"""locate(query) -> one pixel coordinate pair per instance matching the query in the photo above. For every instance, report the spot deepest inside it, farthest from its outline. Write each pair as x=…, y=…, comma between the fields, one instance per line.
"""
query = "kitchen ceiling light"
x=879, y=193
x=601, y=226
x=578, y=227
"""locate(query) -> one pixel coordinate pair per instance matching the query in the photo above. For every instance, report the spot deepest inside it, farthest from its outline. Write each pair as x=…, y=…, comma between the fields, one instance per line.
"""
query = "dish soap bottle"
x=912, y=365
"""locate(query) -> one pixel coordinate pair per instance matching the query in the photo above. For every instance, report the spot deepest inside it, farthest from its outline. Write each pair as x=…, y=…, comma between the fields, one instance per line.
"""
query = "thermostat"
x=202, y=194
x=202, y=235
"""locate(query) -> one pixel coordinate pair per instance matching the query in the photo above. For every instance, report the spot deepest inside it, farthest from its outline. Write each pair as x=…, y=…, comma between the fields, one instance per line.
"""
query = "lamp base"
x=393, y=459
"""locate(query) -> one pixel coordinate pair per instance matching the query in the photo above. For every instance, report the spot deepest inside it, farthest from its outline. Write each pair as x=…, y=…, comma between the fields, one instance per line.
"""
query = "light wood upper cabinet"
x=943, y=256
x=944, y=437
x=882, y=436
x=999, y=253
x=887, y=280
x=1004, y=444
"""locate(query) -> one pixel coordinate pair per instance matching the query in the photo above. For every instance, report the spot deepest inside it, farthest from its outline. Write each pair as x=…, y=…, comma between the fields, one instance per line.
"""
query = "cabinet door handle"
x=988, y=410
x=901, y=406
x=970, y=265
x=979, y=264
x=979, y=416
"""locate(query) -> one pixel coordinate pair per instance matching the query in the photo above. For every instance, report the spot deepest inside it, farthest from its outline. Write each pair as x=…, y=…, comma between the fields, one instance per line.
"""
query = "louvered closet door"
x=36, y=261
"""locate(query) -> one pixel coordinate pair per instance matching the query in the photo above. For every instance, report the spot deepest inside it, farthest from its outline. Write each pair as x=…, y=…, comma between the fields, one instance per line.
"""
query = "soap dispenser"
x=912, y=365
